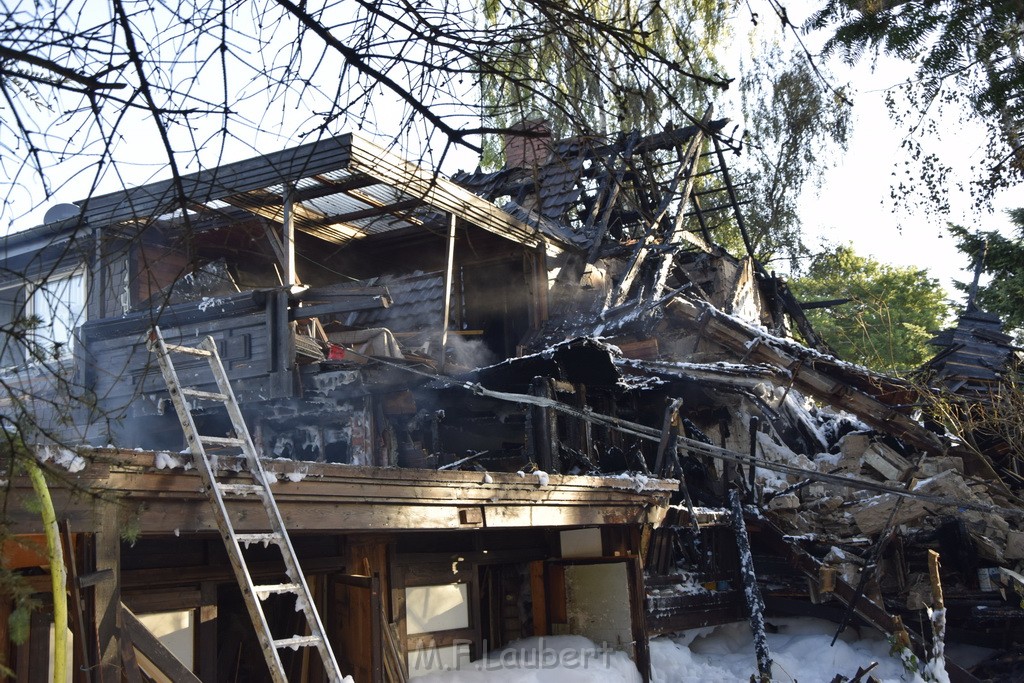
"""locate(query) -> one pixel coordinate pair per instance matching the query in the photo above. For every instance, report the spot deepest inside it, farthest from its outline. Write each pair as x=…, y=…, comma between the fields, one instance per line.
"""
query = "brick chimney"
x=528, y=151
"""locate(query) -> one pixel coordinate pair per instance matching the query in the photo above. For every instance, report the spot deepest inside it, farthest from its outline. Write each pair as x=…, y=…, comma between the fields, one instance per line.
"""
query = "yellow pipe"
x=58, y=572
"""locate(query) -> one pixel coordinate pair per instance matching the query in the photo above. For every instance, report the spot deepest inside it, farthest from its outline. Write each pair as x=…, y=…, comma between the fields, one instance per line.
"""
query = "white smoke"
x=470, y=352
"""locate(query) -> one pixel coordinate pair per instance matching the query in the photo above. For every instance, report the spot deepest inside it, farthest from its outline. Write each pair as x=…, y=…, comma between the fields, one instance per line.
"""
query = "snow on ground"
x=800, y=651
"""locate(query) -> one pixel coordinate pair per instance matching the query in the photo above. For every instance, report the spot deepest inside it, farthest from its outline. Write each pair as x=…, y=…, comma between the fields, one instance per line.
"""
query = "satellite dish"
x=61, y=212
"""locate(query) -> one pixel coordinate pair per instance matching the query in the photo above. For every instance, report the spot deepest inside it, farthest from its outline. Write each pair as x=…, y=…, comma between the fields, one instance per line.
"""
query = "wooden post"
x=669, y=436
x=282, y=344
x=288, y=236
x=107, y=594
x=545, y=426
x=637, y=602
x=751, y=590
x=376, y=630
x=206, y=632
x=538, y=595
x=448, y=272
x=937, y=615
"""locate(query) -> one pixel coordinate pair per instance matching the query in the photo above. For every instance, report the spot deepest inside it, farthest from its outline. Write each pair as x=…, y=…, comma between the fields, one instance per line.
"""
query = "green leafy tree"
x=890, y=316
x=967, y=54
x=1004, y=262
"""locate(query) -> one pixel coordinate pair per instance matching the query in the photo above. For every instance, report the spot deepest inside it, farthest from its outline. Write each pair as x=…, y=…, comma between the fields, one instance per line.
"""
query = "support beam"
x=638, y=617
x=206, y=633
x=545, y=426
x=448, y=272
x=288, y=236
x=80, y=659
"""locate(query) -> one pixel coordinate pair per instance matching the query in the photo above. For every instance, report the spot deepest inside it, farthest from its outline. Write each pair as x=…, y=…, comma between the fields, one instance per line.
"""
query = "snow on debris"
x=295, y=475
x=636, y=480
x=61, y=457
x=800, y=651
x=165, y=461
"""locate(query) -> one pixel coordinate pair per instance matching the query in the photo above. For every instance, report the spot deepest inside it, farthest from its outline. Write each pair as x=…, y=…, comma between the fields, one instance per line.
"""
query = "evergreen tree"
x=1003, y=294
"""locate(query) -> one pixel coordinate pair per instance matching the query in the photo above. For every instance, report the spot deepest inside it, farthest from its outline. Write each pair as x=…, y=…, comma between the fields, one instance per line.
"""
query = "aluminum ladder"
x=222, y=495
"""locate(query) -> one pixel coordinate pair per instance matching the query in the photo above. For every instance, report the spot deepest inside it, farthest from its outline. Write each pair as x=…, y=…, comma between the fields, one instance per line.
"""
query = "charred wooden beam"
x=609, y=197
x=683, y=174
x=699, y=213
x=752, y=592
x=828, y=303
x=669, y=435
x=734, y=201
x=674, y=238
x=545, y=426
x=811, y=379
x=337, y=304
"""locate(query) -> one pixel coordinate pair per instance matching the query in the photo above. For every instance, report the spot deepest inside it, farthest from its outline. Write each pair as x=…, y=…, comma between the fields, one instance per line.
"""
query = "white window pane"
x=436, y=608
x=59, y=304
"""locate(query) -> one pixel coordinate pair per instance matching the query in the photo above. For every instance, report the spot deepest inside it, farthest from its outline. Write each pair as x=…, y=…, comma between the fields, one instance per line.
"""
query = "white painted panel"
x=597, y=603
x=436, y=608
x=68, y=655
x=581, y=543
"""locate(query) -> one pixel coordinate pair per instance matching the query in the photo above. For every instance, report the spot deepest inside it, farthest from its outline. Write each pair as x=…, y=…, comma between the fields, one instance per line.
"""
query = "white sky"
x=854, y=203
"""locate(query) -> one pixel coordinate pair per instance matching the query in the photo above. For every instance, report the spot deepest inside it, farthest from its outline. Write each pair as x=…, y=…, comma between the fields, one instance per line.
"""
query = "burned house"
x=480, y=401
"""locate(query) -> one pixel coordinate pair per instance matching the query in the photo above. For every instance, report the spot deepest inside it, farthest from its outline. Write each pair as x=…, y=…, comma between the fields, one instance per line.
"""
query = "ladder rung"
x=191, y=350
x=240, y=489
x=264, y=591
x=222, y=440
x=264, y=538
x=295, y=642
x=208, y=395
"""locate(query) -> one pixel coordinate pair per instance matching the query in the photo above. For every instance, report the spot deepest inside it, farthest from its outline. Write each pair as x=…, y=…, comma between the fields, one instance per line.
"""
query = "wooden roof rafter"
x=307, y=220
x=400, y=209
